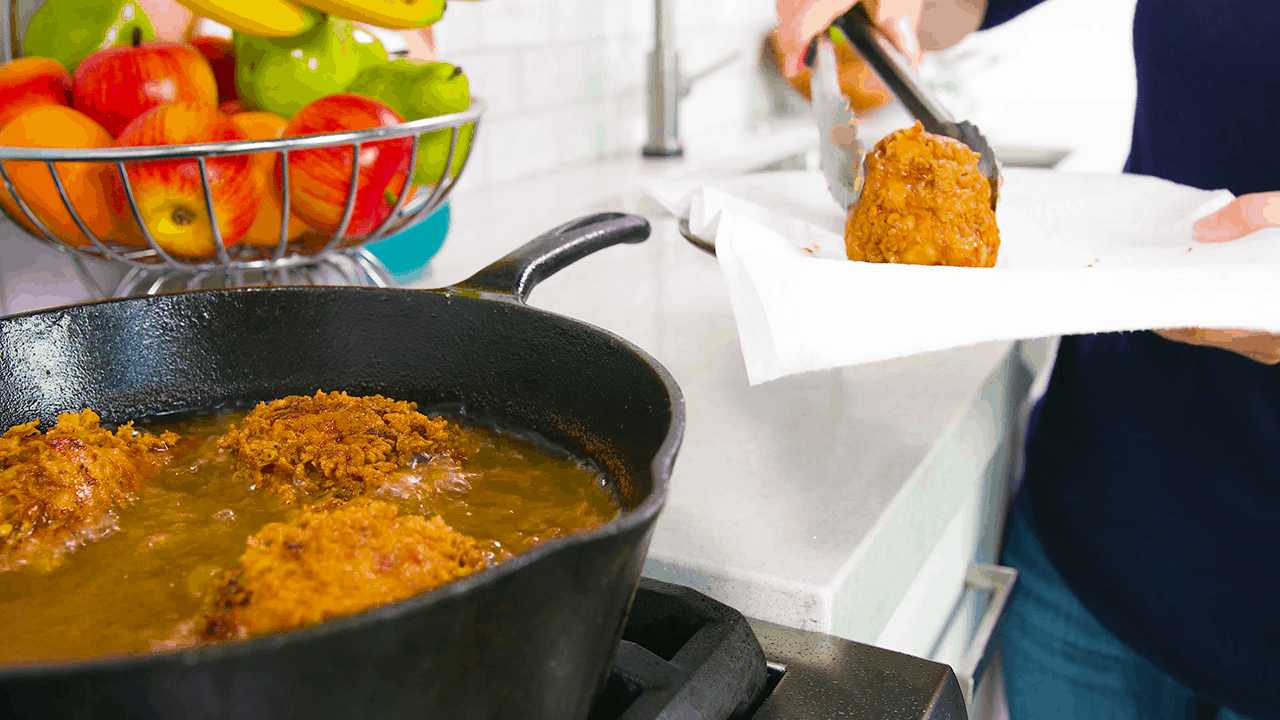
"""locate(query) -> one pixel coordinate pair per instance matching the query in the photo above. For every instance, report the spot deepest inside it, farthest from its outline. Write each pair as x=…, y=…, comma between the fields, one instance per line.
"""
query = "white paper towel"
x=1078, y=254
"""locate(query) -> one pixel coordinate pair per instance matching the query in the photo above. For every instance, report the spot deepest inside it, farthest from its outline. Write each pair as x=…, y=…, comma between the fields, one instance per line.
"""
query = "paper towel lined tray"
x=1079, y=254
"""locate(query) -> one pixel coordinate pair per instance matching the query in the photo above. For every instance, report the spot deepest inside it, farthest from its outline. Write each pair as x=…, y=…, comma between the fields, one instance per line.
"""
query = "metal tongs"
x=896, y=73
x=840, y=152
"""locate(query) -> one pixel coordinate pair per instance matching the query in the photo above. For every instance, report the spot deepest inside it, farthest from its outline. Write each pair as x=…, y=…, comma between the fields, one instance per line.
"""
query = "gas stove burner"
x=685, y=656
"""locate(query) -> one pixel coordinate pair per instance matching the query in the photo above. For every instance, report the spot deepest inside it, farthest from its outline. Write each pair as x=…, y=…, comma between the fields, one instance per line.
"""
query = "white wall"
x=566, y=79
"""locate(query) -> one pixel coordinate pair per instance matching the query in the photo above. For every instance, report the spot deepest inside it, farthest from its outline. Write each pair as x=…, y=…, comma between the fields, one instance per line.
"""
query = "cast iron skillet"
x=532, y=638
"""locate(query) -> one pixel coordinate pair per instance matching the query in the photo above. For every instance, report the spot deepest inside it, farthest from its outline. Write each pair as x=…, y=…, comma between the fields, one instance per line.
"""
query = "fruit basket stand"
x=315, y=258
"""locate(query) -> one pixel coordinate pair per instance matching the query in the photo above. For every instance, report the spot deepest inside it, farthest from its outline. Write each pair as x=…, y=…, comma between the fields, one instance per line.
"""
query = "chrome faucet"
x=666, y=86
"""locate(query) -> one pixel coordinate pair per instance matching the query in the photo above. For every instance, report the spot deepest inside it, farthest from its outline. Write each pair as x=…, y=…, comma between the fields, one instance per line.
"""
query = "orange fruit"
x=265, y=231
x=86, y=183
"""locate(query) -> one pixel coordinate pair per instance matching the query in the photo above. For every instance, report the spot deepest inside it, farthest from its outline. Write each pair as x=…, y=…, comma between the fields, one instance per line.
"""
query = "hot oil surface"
x=140, y=588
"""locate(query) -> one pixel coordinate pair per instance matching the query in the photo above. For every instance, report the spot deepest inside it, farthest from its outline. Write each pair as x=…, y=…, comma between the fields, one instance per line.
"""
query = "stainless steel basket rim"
x=411, y=206
x=245, y=147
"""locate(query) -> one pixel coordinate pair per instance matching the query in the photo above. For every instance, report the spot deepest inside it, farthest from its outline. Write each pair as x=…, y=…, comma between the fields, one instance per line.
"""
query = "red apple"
x=29, y=82
x=221, y=54
x=169, y=193
x=232, y=107
x=320, y=179
x=117, y=84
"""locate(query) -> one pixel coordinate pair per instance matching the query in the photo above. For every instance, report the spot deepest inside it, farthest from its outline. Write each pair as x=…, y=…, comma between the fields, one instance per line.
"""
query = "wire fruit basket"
x=139, y=265
x=314, y=258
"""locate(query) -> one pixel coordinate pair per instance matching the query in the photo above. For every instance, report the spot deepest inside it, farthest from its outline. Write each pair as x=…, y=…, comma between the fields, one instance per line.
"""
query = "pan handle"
x=520, y=271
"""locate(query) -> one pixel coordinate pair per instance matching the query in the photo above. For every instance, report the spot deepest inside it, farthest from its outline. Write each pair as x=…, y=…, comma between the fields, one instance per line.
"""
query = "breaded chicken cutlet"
x=325, y=564
x=923, y=202
x=333, y=444
x=58, y=489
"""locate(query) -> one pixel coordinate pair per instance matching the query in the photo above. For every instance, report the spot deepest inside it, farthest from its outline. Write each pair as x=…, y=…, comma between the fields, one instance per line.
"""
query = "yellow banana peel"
x=390, y=14
x=262, y=18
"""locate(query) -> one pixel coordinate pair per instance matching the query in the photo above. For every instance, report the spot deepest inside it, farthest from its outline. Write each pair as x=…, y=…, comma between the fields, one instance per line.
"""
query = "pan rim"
x=627, y=521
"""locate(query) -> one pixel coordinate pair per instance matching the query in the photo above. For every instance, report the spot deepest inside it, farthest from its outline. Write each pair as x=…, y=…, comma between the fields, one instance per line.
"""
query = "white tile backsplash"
x=566, y=80
x=580, y=21
x=553, y=76
x=517, y=23
x=625, y=67
x=460, y=31
x=628, y=18
x=628, y=127
x=522, y=146
x=495, y=76
x=583, y=132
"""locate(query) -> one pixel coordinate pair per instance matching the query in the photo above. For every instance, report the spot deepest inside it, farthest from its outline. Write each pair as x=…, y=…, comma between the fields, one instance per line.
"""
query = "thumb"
x=800, y=21
x=900, y=22
x=1245, y=214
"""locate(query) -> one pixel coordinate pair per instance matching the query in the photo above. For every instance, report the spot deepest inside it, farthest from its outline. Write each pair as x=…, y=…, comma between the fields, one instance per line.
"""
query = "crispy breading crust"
x=325, y=564
x=924, y=202
x=333, y=444
x=57, y=489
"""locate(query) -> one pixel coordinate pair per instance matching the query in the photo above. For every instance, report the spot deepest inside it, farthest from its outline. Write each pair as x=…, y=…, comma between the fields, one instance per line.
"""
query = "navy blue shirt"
x=1153, y=467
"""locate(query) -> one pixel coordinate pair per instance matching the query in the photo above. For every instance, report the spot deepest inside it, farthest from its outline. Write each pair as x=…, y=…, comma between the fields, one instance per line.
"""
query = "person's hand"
x=169, y=19
x=1245, y=214
x=421, y=44
x=800, y=21
x=1257, y=346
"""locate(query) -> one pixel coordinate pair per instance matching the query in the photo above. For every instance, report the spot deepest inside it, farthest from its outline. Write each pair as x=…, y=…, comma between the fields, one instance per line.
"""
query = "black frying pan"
x=531, y=638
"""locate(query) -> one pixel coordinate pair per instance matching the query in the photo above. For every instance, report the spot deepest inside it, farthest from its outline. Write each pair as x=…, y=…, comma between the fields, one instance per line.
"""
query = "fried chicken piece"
x=924, y=202
x=333, y=444
x=325, y=564
x=58, y=489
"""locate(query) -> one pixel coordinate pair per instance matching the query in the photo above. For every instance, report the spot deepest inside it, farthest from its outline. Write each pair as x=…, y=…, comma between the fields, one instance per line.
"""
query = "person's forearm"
x=944, y=23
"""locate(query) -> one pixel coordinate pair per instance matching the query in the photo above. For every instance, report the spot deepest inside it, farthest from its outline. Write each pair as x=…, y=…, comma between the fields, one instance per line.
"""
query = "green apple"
x=281, y=75
x=389, y=83
x=71, y=30
x=420, y=90
x=433, y=150
x=442, y=89
x=370, y=48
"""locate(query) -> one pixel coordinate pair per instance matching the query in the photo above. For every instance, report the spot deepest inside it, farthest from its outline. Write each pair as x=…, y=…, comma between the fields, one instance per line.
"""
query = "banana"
x=262, y=18
x=390, y=14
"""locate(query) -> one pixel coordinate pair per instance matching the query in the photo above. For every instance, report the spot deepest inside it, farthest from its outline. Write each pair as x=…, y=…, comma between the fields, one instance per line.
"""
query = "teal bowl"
x=408, y=253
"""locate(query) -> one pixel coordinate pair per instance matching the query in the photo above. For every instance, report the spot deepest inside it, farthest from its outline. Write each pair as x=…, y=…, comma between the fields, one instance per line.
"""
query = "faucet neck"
x=664, y=86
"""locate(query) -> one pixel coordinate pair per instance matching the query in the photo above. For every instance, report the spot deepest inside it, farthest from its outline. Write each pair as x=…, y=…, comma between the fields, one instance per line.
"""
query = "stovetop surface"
x=685, y=656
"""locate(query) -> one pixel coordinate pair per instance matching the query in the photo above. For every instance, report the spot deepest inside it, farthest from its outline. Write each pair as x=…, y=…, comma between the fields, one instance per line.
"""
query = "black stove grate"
x=685, y=656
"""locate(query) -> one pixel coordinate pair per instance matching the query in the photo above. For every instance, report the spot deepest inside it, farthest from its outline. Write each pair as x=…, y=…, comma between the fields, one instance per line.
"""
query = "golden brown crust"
x=924, y=202
x=332, y=444
x=325, y=564
x=58, y=489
